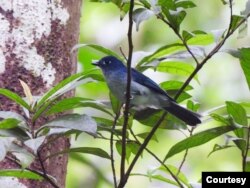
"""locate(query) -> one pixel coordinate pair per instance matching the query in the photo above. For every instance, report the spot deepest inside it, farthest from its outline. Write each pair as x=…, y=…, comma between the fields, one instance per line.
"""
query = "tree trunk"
x=36, y=37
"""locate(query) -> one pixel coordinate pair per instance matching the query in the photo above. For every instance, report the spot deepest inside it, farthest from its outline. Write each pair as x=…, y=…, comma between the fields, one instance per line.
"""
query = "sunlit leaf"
x=174, y=85
x=63, y=87
x=177, y=68
x=193, y=106
x=185, y=4
x=116, y=104
x=201, y=39
x=14, y=97
x=86, y=150
x=9, y=123
x=19, y=173
x=237, y=112
x=244, y=62
x=198, y=139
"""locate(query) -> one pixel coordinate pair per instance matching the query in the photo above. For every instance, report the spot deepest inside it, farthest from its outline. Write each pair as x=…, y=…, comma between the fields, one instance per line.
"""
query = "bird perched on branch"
x=143, y=90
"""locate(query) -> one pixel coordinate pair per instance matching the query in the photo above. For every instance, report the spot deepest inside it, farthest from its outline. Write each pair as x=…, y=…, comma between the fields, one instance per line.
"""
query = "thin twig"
x=158, y=159
x=46, y=177
x=186, y=152
x=127, y=104
x=112, y=147
x=123, y=54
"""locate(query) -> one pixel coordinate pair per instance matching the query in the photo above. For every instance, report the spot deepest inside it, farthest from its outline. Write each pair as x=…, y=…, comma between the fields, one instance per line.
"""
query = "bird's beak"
x=95, y=62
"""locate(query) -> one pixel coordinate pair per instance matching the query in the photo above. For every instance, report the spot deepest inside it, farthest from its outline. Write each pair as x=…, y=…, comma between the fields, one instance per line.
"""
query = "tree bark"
x=36, y=37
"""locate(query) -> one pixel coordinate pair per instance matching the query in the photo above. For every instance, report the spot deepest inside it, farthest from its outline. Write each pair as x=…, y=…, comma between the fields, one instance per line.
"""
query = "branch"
x=112, y=147
x=123, y=180
x=159, y=160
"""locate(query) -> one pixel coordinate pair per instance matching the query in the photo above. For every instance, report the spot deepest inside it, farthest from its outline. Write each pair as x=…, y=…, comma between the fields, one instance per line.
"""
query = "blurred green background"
x=220, y=80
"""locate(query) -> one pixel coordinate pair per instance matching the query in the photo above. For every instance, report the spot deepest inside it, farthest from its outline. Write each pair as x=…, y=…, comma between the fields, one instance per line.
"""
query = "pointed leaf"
x=9, y=123
x=244, y=62
x=177, y=68
x=76, y=102
x=14, y=97
x=19, y=173
x=237, y=112
x=27, y=91
x=174, y=85
x=88, y=150
x=96, y=47
x=198, y=139
x=73, y=121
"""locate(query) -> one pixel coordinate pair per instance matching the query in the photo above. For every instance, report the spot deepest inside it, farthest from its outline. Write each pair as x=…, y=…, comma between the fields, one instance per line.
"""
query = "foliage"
x=183, y=58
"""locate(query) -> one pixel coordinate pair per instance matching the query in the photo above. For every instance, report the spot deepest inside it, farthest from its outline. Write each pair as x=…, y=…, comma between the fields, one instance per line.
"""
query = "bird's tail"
x=189, y=117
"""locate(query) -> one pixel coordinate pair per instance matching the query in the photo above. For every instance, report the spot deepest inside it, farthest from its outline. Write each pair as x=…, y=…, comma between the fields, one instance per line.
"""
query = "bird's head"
x=109, y=63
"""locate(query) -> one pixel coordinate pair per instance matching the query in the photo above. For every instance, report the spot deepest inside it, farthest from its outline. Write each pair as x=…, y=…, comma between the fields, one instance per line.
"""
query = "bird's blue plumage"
x=144, y=91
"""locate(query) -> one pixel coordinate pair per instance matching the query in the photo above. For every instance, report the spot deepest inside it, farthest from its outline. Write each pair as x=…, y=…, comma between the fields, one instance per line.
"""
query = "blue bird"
x=143, y=91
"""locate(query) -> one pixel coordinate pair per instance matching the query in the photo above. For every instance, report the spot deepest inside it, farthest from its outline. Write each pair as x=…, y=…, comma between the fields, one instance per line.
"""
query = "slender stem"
x=112, y=147
x=186, y=152
x=127, y=104
x=244, y=153
x=158, y=159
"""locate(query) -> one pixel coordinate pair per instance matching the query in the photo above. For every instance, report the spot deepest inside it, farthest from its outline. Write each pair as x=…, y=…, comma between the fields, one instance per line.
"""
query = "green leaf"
x=177, y=68
x=19, y=173
x=140, y=15
x=76, y=102
x=236, y=19
x=63, y=87
x=237, y=112
x=185, y=4
x=198, y=139
x=116, y=104
x=9, y=123
x=220, y=118
x=14, y=97
x=163, y=51
x=96, y=47
x=193, y=106
x=156, y=177
x=175, y=170
x=218, y=147
x=174, y=85
x=244, y=62
x=87, y=150
x=118, y=145
x=145, y=134
x=79, y=122
x=201, y=39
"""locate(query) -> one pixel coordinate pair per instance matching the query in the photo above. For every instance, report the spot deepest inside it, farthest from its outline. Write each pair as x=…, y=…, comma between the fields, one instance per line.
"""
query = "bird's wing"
x=147, y=82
